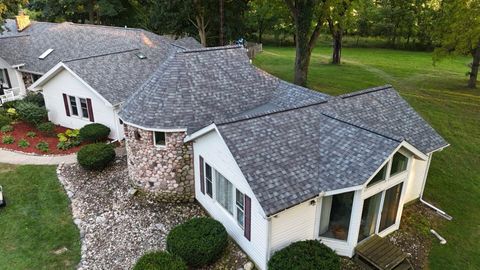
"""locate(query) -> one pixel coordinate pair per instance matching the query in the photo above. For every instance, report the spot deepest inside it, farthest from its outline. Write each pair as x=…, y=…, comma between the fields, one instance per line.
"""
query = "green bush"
x=94, y=132
x=6, y=128
x=68, y=139
x=43, y=146
x=23, y=143
x=35, y=97
x=31, y=112
x=31, y=134
x=96, y=156
x=4, y=120
x=7, y=139
x=10, y=104
x=160, y=260
x=47, y=128
x=199, y=241
x=305, y=255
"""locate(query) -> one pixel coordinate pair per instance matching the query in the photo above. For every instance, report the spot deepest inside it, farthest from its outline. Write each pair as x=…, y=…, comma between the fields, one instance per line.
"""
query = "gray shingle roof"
x=103, y=56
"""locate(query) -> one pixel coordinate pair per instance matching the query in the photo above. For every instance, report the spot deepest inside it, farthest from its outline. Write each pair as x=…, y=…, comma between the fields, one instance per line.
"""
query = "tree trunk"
x=91, y=14
x=201, y=27
x=221, y=41
x=337, y=47
x=472, y=83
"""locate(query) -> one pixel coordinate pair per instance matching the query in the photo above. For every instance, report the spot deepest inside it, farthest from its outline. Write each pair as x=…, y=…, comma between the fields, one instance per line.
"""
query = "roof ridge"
x=216, y=48
x=14, y=36
x=388, y=136
x=102, y=26
x=100, y=55
x=365, y=91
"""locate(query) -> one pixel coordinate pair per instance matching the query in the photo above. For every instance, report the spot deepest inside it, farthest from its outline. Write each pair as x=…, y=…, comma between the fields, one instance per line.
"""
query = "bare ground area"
x=117, y=228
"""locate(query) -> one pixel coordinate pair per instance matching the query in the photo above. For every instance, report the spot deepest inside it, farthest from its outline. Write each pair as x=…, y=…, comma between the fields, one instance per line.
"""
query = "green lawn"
x=440, y=95
x=37, y=220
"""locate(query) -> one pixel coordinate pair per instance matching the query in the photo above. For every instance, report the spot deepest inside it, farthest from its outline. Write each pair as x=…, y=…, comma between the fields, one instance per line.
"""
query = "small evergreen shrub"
x=96, y=156
x=31, y=112
x=31, y=134
x=35, y=97
x=305, y=255
x=10, y=104
x=43, y=146
x=4, y=120
x=94, y=132
x=23, y=143
x=160, y=260
x=7, y=139
x=47, y=128
x=199, y=241
x=6, y=128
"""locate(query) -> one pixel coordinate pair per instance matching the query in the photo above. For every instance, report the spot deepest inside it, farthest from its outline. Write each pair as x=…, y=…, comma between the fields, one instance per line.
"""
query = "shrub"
x=47, y=128
x=43, y=146
x=6, y=128
x=35, y=97
x=7, y=139
x=31, y=134
x=31, y=112
x=10, y=104
x=305, y=255
x=96, y=156
x=160, y=260
x=68, y=139
x=12, y=113
x=23, y=143
x=4, y=120
x=199, y=241
x=94, y=132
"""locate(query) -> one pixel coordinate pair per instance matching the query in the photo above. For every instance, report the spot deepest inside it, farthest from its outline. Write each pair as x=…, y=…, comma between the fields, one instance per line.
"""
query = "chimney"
x=23, y=21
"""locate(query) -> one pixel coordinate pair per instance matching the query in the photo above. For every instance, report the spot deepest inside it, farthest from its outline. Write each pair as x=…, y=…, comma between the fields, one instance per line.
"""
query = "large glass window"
x=380, y=176
x=208, y=179
x=368, y=223
x=399, y=164
x=390, y=206
x=224, y=192
x=335, y=217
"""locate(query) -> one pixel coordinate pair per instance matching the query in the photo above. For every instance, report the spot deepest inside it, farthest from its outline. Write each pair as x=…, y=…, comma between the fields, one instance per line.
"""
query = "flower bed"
x=20, y=132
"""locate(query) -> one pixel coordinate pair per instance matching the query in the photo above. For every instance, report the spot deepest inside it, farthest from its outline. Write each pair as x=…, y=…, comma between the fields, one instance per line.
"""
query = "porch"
x=9, y=95
x=379, y=253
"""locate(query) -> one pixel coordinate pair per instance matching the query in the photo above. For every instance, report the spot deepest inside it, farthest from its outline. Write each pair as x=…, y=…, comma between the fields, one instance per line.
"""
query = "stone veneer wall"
x=27, y=79
x=167, y=172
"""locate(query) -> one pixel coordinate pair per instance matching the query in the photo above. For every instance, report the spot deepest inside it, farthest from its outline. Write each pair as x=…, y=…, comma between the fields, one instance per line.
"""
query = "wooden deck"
x=379, y=253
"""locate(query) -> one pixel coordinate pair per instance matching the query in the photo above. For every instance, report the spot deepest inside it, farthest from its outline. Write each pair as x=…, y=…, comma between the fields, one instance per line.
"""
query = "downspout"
x=439, y=211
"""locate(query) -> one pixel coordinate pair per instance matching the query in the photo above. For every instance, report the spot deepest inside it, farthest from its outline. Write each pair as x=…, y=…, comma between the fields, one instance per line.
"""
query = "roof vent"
x=140, y=55
x=45, y=54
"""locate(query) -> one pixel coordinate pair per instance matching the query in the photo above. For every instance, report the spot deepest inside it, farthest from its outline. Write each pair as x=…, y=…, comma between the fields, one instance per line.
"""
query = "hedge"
x=160, y=260
x=94, y=132
x=36, y=98
x=305, y=255
x=199, y=241
x=96, y=156
x=31, y=112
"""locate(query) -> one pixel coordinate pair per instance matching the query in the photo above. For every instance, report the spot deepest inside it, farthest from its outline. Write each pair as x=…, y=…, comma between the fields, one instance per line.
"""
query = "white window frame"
x=388, y=175
x=161, y=146
x=71, y=107
x=79, y=108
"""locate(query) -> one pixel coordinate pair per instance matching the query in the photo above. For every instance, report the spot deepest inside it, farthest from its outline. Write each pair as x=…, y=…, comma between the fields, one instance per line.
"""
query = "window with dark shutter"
x=202, y=175
x=90, y=110
x=248, y=217
x=65, y=102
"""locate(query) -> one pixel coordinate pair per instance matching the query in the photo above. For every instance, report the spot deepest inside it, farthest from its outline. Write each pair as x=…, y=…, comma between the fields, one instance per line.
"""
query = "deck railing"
x=9, y=95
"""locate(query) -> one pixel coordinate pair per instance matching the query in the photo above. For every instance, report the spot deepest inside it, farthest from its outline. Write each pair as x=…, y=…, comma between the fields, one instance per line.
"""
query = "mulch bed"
x=19, y=132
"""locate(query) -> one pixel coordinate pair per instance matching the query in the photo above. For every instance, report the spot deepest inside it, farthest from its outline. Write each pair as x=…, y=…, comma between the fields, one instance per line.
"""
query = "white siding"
x=65, y=82
x=294, y=224
x=216, y=153
x=15, y=78
x=416, y=179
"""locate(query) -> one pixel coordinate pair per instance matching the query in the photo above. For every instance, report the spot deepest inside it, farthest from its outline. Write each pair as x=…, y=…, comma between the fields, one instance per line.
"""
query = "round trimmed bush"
x=305, y=255
x=160, y=260
x=96, y=156
x=199, y=241
x=94, y=132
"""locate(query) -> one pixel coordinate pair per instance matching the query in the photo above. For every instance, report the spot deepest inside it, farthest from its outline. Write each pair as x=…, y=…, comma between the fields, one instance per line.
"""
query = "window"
x=73, y=105
x=4, y=78
x=137, y=135
x=390, y=206
x=240, y=204
x=399, y=164
x=84, y=107
x=208, y=179
x=380, y=176
x=35, y=77
x=224, y=192
x=159, y=138
x=335, y=217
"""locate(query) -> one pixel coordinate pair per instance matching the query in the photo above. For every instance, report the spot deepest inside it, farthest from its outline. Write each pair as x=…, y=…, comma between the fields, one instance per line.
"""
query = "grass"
x=438, y=92
x=36, y=221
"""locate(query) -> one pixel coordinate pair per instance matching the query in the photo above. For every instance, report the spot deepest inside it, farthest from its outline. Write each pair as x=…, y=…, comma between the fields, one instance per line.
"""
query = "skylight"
x=45, y=54
x=140, y=55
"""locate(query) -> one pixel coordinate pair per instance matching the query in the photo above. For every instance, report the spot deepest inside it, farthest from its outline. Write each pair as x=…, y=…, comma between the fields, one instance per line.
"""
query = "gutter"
x=438, y=210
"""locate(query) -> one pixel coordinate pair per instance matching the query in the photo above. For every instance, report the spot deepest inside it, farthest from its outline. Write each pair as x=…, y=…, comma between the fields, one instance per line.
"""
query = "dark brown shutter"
x=90, y=110
x=65, y=102
x=8, y=79
x=202, y=175
x=248, y=217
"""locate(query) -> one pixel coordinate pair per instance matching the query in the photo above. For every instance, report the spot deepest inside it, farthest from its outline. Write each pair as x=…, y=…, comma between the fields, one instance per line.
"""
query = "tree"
x=9, y=8
x=265, y=15
x=308, y=17
x=458, y=32
x=336, y=18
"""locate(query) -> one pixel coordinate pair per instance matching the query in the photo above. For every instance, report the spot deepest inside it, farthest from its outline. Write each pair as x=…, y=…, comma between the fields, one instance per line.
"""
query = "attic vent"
x=140, y=55
x=45, y=54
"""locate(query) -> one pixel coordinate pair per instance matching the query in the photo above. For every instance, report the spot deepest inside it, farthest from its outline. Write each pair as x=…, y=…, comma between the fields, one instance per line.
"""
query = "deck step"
x=405, y=265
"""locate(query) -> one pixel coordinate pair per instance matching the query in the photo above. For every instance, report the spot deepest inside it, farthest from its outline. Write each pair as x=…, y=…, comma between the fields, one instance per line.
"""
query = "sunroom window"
x=335, y=217
x=380, y=176
x=399, y=164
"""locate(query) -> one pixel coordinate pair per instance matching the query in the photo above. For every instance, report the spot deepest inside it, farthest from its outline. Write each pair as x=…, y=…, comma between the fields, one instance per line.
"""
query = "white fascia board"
x=155, y=129
x=413, y=149
x=18, y=66
x=340, y=191
x=54, y=71
x=202, y=132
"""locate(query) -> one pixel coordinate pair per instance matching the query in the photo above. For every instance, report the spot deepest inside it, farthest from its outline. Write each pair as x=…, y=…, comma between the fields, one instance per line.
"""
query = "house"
x=85, y=72
x=274, y=162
